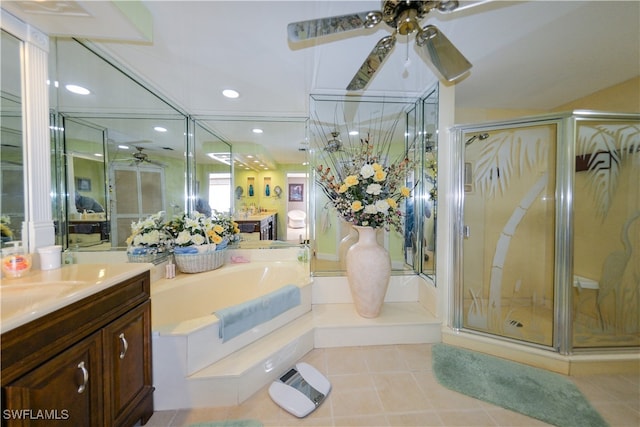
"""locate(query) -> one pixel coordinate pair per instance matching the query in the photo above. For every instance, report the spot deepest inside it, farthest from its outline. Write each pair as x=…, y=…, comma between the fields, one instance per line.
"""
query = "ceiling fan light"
x=230, y=93
x=78, y=90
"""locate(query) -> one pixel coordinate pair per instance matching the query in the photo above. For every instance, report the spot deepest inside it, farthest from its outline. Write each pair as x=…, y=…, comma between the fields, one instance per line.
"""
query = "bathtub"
x=184, y=326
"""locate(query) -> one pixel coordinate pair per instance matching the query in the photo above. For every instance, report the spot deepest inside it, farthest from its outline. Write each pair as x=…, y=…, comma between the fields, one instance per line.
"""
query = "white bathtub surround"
x=257, y=359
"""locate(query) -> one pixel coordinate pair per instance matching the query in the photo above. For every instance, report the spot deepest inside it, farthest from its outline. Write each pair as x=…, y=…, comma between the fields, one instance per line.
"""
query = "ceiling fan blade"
x=313, y=28
x=457, y=6
x=372, y=63
x=448, y=60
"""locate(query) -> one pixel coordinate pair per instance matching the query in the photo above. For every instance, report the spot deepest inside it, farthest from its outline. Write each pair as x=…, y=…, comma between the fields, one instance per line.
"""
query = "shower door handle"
x=466, y=231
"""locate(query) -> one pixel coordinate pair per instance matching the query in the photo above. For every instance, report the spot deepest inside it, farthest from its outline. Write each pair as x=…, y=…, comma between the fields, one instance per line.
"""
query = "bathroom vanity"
x=265, y=225
x=76, y=348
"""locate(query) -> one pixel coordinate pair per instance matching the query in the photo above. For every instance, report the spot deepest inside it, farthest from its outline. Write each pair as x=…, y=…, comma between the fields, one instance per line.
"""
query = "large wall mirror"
x=405, y=127
x=126, y=153
x=12, y=206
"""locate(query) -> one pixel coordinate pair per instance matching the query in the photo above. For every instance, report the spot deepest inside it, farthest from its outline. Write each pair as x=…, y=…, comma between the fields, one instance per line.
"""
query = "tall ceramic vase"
x=368, y=272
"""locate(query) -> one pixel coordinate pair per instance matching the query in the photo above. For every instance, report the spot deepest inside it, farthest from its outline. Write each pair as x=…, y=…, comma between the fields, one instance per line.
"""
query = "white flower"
x=183, y=238
x=374, y=189
x=382, y=206
x=197, y=239
x=367, y=171
x=370, y=209
x=151, y=238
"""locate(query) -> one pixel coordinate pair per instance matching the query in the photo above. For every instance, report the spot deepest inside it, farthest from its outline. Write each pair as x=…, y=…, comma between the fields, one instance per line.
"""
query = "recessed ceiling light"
x=230, y=93
x=97, y=154
x=160, y=129
x=257, y=130
x=79, y=90
x=353, y=132
x=124, y=147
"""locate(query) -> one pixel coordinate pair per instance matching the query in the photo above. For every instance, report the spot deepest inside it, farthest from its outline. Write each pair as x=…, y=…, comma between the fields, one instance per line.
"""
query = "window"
x=219, y=191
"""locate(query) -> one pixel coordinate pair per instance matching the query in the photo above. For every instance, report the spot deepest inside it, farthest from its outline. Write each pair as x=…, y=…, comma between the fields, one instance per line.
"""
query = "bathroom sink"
x=19, y=298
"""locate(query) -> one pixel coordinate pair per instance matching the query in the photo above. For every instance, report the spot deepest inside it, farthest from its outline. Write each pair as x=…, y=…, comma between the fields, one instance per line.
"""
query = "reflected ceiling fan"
x=140, y=157
x=403, y=16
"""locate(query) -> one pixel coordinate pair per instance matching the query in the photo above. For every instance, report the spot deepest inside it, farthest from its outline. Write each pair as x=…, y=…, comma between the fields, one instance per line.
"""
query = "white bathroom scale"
x=301, y=390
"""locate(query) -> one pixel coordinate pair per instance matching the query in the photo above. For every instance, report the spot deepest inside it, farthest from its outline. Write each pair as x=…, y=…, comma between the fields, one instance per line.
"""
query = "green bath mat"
x=537, y=393
x=229, y=423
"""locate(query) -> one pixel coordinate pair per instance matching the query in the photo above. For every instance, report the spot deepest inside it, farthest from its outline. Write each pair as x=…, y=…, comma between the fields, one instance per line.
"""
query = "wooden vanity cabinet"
x=267, y=226
x=69, y=387
x=87, y=364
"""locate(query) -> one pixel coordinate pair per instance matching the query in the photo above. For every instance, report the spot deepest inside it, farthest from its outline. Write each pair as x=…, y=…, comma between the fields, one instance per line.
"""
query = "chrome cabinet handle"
x=85, y=377
x=125, y=345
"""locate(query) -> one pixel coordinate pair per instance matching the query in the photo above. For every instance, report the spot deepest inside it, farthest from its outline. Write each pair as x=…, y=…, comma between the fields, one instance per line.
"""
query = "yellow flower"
x=377, y=167
x=405, y=192
x=351, y=180
x=216, y=239
x=392, y=203
x=218, y=228
x=380, y=175
x=356, y=206
x=343, y=188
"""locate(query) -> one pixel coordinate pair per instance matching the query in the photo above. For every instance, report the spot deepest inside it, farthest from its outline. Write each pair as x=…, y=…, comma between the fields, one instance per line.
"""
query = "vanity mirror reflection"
x=152, y=156
x=12, y=208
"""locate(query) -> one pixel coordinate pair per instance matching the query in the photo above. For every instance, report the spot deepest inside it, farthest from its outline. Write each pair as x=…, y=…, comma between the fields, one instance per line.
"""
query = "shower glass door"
x=509, y=231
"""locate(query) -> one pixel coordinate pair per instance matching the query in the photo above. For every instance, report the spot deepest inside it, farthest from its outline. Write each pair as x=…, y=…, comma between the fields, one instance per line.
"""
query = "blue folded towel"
x=185, y=250
x=242, y=317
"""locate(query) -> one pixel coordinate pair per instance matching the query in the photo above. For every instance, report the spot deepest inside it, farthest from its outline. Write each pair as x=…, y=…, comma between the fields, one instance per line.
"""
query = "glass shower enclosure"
x=548, y=249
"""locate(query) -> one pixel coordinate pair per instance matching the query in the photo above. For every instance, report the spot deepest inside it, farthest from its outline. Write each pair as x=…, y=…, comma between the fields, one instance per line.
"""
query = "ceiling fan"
x=403, y=16
x=141, y=157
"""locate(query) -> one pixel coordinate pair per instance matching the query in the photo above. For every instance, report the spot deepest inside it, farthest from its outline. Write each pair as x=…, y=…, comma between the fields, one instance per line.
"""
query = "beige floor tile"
x=259, y=406
x=394, y=386
x=416, y=357
x=618, y=414
x=362, y=421
x=505, y=417
x=358, y=403
x=349, y=360
x=185, y=417
x=470, y=418
x=416, y=419
x=300, y=422
x=384, y=359
x=344, y=382
x=317, y=359
x=399, y=392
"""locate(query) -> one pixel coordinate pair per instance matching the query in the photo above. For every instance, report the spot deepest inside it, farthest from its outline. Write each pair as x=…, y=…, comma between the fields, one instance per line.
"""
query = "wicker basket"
x=197, y=263
x=156, y=258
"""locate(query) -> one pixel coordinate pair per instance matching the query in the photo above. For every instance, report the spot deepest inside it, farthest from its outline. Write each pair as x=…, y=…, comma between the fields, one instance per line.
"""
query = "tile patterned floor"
x=393, y=386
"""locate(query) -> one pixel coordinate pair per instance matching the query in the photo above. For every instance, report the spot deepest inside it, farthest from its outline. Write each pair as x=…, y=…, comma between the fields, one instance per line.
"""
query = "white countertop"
x=42, y=292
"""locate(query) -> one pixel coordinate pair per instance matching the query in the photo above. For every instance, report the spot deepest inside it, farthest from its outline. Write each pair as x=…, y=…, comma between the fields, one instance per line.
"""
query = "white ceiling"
x=526, y=54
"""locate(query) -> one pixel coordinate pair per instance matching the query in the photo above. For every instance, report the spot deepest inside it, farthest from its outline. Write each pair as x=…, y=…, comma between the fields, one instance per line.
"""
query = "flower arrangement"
x=148, y=236
x=230, y=228
x=364, y=190
x=5, y=230
x=195, y=230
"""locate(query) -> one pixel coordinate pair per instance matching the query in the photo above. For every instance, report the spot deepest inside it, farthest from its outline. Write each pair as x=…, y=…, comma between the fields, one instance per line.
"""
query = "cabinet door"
x=128, y=366
x=66, y=390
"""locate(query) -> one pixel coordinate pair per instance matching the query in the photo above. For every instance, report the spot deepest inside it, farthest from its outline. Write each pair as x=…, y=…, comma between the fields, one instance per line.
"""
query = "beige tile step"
x=333, y=325
x=339, y=325
x=232, y=380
